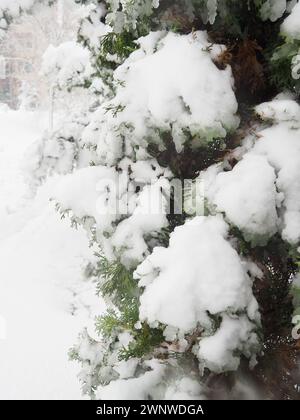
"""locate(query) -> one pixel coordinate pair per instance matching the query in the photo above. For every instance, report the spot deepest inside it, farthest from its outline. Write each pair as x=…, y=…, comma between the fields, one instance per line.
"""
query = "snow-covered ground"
x=44, y=301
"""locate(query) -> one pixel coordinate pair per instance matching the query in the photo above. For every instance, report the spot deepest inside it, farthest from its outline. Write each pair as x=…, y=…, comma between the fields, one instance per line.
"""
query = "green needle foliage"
x=117, y=284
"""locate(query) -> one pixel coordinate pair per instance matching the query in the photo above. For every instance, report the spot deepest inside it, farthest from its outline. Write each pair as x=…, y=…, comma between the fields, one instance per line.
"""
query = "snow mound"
x=279, y=110
x=46, y=297
x=248, y=197
x=185, y=389
x=12, y=9
x=221, y=351
x=153, y=384
x=169, y=274
x=281, y=145
x=92, y=29
x=139, y=388
x=126, y=14
x=14, y=6
x=261, y=194
x=155, y=92
x=273, y=9
x=189, y=263
x=67, y=65
x=86, y=192
x=123, y=217
x=165, y=83
x=291, y=25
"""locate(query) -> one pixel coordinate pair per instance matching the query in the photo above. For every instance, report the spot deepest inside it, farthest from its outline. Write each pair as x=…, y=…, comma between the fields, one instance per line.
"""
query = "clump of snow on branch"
x=68, y=64
x=136, y=388
x=123, y=216
x=169, y=274
x=185, y=389
x=221, y=351
x=92, y=29
x=154, y=383
x=130, y=14
x=10, y=9
x=273, y=9
x=14, y=7
x=281, y=146
x=260, y=195
x=248, y=197
x=155, y=93
x=279, y=110
x=291, y=25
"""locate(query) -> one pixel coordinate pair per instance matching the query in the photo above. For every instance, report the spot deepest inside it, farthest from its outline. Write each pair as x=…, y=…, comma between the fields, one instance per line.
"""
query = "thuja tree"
x=201, y=302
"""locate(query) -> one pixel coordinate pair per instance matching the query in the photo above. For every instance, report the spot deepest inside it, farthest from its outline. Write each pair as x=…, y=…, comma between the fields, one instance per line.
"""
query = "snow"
x=68, y=64
x=222, y=289
x=220, y=352
x=291, y=25
x=24, y=126
x=107, y=196
x=273, y=9
x=126, y=14
x=13, y=6
x=169, y=274
x=248, y=197
x=87, y=193
x=185, y=389
x=212, y=6
x=118, y=193
x=139, y=388
x=279, y=110
x=166, y=82
x=92, y=29
x=168, y=88
x=155, y=91
x=152, y=384
x=281, y=146
x=39, y=267
x=150, y=215
x=126, y=369
x=261, y=194
x=44, y=300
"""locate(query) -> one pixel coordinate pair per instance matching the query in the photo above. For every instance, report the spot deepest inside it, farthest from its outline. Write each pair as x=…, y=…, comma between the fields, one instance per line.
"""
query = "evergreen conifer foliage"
x=205, y=90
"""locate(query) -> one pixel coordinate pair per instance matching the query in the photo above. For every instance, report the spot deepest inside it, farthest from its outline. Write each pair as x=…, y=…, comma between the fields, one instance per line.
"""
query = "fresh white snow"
x=238, y=192
x=43, y=302
x=67, y=63
x=103, y=194
x=291, y=25
x=222, y=289
x=155, y=89
x=18, y=131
